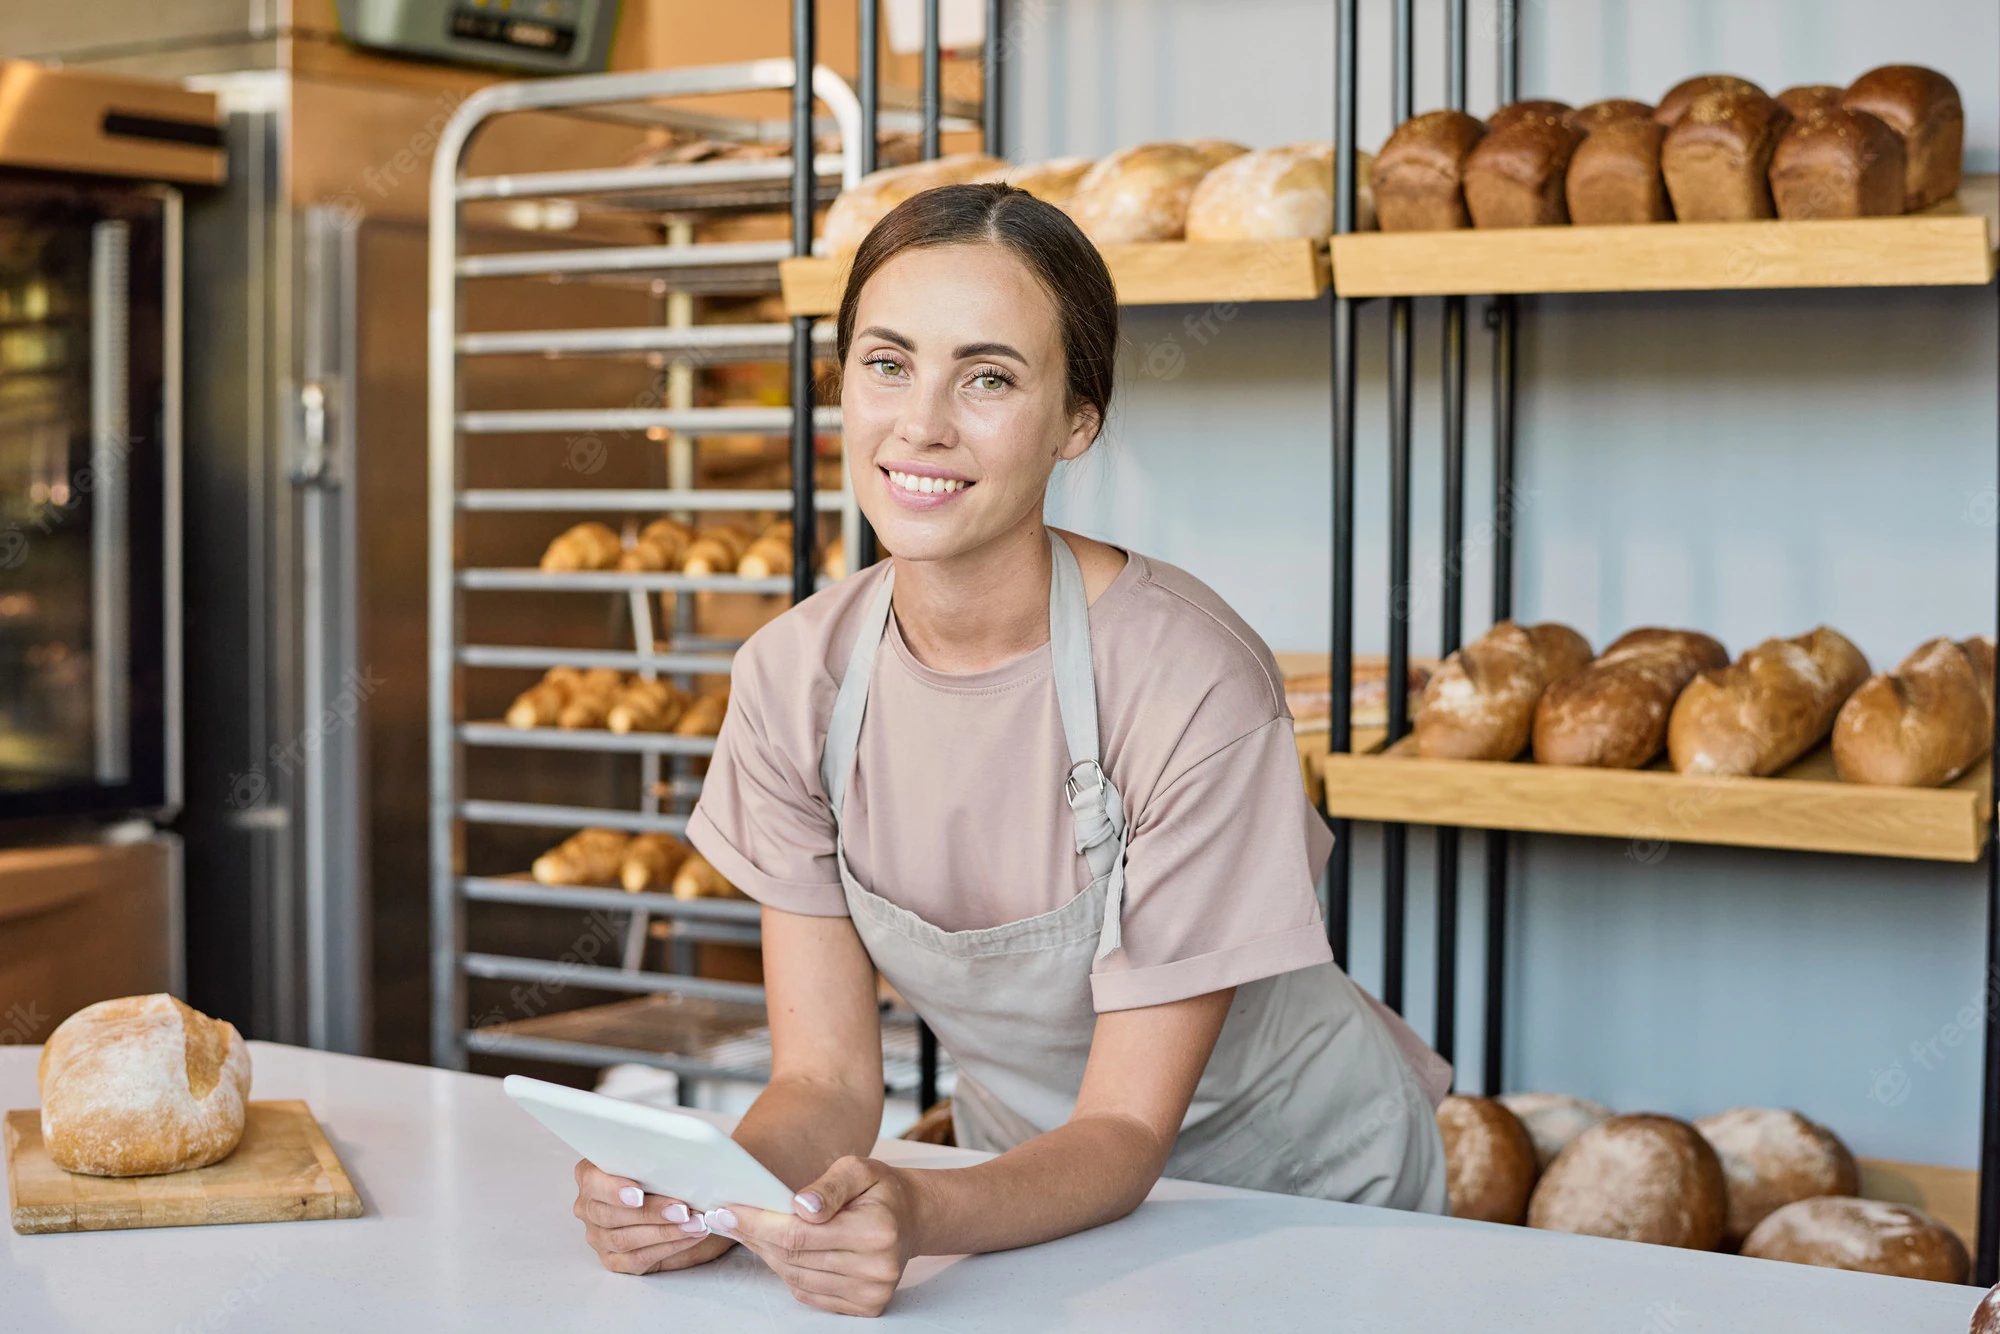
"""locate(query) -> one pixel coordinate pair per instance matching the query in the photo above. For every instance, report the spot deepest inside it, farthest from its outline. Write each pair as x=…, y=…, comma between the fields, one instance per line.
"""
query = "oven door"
x=89, y=466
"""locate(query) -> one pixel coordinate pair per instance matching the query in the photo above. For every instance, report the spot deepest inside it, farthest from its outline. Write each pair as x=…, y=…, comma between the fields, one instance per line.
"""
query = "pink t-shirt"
x=956, y=811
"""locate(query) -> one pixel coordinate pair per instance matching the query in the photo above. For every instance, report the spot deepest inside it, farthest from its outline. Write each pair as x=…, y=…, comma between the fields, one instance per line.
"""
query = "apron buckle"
x=1075, y=792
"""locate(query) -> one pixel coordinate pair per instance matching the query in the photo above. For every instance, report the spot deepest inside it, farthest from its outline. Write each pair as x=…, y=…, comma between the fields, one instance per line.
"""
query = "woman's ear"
x=1084, y=426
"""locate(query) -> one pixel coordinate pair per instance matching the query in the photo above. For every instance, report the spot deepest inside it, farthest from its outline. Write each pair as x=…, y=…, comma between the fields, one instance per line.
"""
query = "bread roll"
x=1771, y=1157
x=1923, y=107
x=1809, y=99
x=651, y=862
x=1613, y=714
x=647, y=706
x=1419, y=175
x=587, y=857
x=1637, y=1178
x=1269, y=195
x=1986, y=1318
x=704, y=716
x=537, y=706
x=1923, y=724
x=1480, y=704
x=1682, y=95
x=1530, y=109
x=142, y=1085
x=1838, y=164
x=1614, y=176
x=587, y=546
x=1489, y=1160
x=1215, y=152
x=1142, y=193
x=855, y=212
x=661, y=546
x=1612, y=110
x=1514, y=176
x=1767, y=708
x=1052, y=182
x=766, y=557
x=1553, y=1120
x=1717, y=157
x=698, y=879
x=1842, y=1232
x=717, y=549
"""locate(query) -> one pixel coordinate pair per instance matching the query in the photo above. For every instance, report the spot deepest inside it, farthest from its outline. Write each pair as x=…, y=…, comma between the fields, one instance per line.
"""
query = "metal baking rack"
x=693, y=1025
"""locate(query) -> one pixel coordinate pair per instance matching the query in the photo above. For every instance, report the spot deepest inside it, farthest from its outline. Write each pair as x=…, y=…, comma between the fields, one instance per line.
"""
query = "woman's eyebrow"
x=887, y=336
x=988, y=350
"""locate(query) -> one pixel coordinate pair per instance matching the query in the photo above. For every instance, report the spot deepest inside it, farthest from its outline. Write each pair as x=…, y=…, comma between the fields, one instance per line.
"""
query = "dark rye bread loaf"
x=1420, y=173
x=1614, y=176
x=1923, y=107
x=1514, y=176
x=1596, y=115
x=1834, y=163
x=1675, y=102
x=1717, y=157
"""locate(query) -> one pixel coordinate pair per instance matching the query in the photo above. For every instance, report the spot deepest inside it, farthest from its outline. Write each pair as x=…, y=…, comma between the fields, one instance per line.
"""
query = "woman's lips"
x=919, y=491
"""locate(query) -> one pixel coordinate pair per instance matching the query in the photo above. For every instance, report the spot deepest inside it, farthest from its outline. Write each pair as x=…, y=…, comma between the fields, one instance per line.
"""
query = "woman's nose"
x=925, y=419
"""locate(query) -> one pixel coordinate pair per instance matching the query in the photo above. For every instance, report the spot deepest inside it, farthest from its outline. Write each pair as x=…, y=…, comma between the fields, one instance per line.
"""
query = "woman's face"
x=952, y=400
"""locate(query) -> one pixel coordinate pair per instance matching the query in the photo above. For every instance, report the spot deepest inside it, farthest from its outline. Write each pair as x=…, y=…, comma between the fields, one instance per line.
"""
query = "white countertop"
x=467, y=1226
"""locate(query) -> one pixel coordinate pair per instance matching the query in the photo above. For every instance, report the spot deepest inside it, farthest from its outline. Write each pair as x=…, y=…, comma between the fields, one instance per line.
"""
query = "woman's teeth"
x=925, y=485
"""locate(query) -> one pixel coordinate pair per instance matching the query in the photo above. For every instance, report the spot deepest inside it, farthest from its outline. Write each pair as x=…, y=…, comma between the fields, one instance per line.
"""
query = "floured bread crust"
x=1636, y=1178
x=140, y=1086
x=1771, y=1157
x=1842, y=1232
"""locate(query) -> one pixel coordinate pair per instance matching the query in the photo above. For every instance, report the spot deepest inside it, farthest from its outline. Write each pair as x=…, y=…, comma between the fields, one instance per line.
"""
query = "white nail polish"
x=631, y=1196
x=677, y=1213
x=696, y=1226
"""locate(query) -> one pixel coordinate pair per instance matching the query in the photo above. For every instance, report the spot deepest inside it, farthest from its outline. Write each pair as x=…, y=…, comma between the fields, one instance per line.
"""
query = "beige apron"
x=1306, y=1092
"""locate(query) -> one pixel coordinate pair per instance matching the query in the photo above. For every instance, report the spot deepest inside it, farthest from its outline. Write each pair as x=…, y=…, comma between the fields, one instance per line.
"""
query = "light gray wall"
x=1747, y=464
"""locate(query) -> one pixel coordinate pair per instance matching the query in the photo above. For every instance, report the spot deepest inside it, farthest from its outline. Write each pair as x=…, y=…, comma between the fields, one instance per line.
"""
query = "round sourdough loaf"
x=1052, y=182
x=1637, y=1178
x=1141, y=193
x=1489, y=1159
x=1771, y=1157
x=142, y=1085
x=1272, y=194
x=855, y=212
x=1986, y=1320
x=1842, y=1232
x=1552, y=1120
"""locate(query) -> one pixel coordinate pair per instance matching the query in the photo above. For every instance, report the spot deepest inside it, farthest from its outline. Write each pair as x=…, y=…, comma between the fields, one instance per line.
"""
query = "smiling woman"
x=1070, y=833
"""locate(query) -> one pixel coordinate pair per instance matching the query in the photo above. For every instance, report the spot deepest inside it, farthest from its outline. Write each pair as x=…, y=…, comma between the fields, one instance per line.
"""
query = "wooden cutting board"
x=283, y=1171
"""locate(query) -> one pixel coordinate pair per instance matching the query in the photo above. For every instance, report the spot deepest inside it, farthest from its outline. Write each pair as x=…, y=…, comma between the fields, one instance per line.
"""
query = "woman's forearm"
x=1086, y=1172
x=798, y=1127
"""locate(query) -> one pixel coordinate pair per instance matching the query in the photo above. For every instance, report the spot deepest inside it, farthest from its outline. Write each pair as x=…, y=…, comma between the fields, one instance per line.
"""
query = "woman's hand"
x=636, y=1233
x=845, y=1248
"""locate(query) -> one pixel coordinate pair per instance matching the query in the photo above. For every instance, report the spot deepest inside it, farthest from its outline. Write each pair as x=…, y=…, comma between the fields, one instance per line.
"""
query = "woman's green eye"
x=990, y=382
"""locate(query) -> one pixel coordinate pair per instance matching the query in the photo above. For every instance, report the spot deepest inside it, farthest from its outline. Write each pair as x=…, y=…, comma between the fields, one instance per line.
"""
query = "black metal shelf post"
x=1340, y=665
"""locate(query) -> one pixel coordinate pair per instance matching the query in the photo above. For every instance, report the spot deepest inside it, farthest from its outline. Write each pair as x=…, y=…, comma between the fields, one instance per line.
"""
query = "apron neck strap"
x=1069, y=650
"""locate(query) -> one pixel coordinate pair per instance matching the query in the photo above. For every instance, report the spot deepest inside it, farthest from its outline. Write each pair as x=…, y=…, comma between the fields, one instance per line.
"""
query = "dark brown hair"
x=1039, y=235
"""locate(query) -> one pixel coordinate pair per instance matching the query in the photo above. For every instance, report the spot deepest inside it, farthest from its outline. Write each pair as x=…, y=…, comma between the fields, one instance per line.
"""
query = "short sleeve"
x=762, y=819
x=1221, y=879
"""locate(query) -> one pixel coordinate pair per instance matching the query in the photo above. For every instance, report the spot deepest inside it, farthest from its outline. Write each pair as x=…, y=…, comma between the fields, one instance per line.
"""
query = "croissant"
x=587, y=857
x=704, y=716
x=834, y=563
x=538, y=705
x=647, y=706
x=588, y=546
x=651, y=861
x=717, y=550
x=662, y=544
x=696, y=879
x=766, y=557
x=590, y=702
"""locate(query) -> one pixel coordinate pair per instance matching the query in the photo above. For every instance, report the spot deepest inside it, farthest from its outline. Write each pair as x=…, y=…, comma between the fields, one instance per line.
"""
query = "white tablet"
x=668, y=1153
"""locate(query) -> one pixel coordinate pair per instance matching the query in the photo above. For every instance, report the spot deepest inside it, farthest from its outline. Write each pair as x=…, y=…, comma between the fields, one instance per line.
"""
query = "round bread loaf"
x=1771, y=1157
x=1639, y=1177
x=1552, y=1120
x=1141, y=193
x=1489, y=1159
x=1986, y=1319
x=855, y=212
x=1274, y=194
x=142, y=1085
x=1874, y=1237
x=1052, y=182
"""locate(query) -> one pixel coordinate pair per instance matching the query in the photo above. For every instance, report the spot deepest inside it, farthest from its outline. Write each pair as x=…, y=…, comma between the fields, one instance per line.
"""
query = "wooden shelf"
x=1156, y=274
x=1949, y=245
x=1948, y=1194
x=1806, y=808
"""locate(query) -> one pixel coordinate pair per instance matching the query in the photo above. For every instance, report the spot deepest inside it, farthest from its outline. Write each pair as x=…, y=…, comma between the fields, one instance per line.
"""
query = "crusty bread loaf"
x=142, y=1085
x=1480, y=704
x=1489, y=1160
x=1809, y=99
x=1269, y=195
x=1514, y=176
x=1052, y=182
x=1767, y=708
x=1419, y=173
x=1923, y=107
x=1923, y=724
x=1141, y=193
x=1986, y=1317
x=1596, y=115
x=1835, y=163
x=1553, y=1120
x=1638, y=1177
x=1717, y=157
x=1529, y=109
x=1771, y=1157
x=855, y=212
x=1614, y=176
x=1873, y=1237
x=1613, y=714
x=1677, y=99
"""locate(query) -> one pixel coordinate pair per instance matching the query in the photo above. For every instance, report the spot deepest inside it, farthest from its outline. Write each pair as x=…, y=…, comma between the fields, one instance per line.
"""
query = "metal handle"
x=315, y=463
